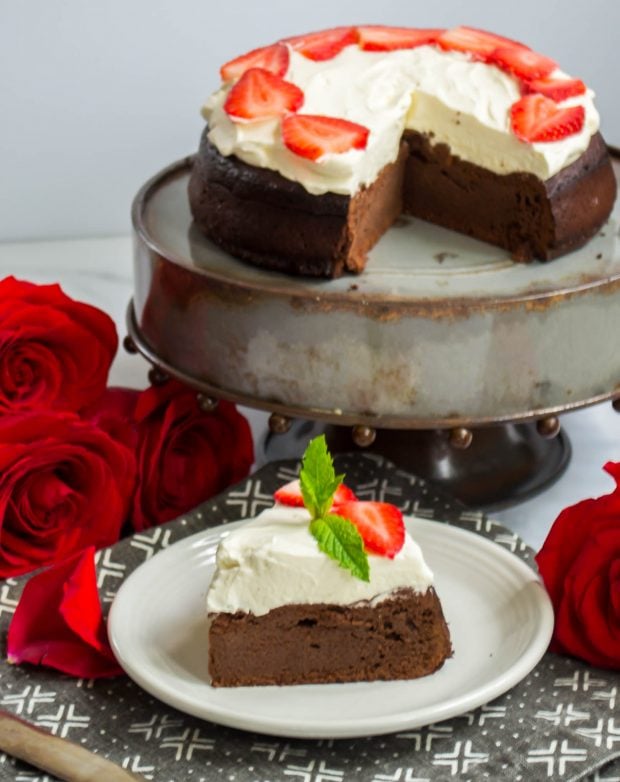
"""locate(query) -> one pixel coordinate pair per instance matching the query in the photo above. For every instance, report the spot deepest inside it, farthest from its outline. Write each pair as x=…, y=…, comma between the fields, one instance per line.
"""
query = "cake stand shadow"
x=444, y=355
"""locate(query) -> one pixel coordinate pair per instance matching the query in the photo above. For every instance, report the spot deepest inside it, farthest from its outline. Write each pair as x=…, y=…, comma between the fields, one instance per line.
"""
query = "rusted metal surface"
x=439, y=331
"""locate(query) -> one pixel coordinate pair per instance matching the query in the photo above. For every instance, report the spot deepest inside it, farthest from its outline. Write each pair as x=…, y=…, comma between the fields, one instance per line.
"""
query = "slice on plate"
x=323, y=593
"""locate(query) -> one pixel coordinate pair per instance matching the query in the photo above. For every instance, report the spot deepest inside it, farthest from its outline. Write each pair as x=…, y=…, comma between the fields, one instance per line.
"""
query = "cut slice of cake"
x=343, y=595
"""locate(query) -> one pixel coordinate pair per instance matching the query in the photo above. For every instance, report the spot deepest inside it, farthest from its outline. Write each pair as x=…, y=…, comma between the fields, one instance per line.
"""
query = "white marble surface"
x=99, y=271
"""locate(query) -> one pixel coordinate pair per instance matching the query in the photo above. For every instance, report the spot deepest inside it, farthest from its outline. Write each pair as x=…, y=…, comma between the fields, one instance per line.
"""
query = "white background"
x=95, y=97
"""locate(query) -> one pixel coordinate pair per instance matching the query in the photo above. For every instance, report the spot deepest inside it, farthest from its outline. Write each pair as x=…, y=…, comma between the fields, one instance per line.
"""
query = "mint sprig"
x=318, y=478
x=336, y=536
x=339, y=539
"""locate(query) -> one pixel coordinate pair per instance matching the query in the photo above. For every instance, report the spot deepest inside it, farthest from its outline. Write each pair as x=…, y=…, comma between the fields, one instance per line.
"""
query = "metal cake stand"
x=444, y=354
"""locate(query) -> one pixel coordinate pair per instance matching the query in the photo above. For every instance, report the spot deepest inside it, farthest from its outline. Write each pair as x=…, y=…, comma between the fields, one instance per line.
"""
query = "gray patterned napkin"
x=562, y=722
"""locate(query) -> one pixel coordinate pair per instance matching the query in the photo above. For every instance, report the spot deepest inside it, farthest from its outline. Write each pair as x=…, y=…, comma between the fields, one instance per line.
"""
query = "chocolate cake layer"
x=402, y=637
x=528, y=217
x=259, y=216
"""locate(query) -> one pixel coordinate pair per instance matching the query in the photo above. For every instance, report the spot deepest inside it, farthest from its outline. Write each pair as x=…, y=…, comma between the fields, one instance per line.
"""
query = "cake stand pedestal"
x=444, y=355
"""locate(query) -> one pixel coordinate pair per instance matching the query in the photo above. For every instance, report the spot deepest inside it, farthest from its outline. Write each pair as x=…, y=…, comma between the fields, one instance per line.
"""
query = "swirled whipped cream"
x=273, y=560
x=445, y=94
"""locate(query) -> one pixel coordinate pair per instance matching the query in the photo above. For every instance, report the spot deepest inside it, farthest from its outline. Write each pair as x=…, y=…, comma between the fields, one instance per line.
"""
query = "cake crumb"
x=441, y=257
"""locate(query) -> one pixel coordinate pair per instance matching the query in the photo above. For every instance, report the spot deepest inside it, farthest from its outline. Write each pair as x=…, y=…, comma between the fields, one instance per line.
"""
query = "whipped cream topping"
x=445, y=94
x=273, y=560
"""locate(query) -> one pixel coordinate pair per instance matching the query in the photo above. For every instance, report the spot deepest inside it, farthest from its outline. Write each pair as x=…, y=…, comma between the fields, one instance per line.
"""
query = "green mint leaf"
x=317, y=478
x=339, y=539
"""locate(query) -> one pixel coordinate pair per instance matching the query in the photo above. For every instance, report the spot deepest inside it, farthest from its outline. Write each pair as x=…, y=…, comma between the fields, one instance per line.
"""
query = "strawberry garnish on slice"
x=380, y=524
x=260, y=94
x=324, y=44
x=273, y=58
x=479, y=43
x=343, y=494
x=522, y=63
x=537, y=118
x=556, y=89
x=290, y=494
x=312, y=135
x=376, y=38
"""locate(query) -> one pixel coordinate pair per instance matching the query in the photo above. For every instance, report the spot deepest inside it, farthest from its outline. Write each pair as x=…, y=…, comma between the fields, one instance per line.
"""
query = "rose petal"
x=581, y=627
x=592, y=587
x=113, y=412
x=613, y=468
x=614, y=581
x=58, y=621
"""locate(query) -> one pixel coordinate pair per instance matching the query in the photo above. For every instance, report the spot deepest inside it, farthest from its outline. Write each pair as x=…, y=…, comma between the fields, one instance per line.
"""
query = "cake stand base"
x=504, y=465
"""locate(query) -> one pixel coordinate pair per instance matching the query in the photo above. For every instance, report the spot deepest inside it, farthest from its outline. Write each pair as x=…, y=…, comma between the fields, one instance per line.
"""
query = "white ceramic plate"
x=499, y=614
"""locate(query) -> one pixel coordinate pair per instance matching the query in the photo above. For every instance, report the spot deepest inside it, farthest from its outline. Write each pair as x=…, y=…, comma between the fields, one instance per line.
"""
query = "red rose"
x=114, y=413
x=185, y=455
x=58, y=621
x=580, y=566
x=64, y=484
x=54, y=352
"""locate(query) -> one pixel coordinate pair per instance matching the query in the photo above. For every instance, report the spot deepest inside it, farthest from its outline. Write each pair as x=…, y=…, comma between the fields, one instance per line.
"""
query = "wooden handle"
x=60, y=757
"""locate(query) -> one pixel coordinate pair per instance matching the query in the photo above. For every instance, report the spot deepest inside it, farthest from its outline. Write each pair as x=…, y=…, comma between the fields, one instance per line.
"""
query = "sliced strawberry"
x=380, y=524
x=375, y=38
x=324, y=44
x=311, y=135
x=479, y=43
x=343, y=494
x=521, y=62
x=271, y=58
x=556, y=89
x=290, y=494
x=536, y=118
x=259, y=94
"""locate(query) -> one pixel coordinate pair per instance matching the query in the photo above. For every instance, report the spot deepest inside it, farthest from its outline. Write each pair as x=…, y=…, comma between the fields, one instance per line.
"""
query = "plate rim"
x=364, y=726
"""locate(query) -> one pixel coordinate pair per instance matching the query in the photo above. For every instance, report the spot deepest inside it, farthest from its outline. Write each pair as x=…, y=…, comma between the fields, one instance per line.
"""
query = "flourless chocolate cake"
x=260, y=216
x=316, y=144
x=403, y=637
x=336, y=591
